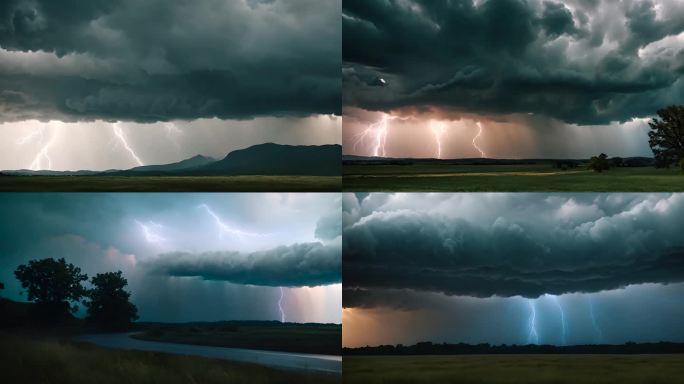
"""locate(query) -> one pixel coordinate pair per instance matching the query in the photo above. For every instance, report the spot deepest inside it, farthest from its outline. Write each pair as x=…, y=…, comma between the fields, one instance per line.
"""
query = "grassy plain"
x=303, y=338
x=511, y=369
x=507, y=178
x=170, y=183
x=55, y=361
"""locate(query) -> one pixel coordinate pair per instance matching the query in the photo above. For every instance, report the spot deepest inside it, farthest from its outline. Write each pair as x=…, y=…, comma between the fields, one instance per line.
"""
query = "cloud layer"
x=152, y=61
x=304, y=264
x=509, y=244
x=584, y=62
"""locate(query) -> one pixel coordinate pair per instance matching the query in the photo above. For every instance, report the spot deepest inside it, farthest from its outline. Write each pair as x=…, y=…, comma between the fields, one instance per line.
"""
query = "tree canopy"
x=666, y=137
x=599, y=163
x=109, y=304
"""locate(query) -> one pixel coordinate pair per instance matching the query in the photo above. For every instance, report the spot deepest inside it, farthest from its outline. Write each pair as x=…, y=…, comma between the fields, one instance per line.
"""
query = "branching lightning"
x=438, y=129
x=118, y=132
x=43, y=155
x=562, y=318
x=225, y=228
x=533, y=336
x=149, y=232
x=377, y=132
x=479, y=133
x=280, y=305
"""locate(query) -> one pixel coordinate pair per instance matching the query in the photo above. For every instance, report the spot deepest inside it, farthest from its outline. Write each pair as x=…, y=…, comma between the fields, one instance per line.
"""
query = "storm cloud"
x=528, y=245
x=161, y=61
x=581, y=62
x=305, y=264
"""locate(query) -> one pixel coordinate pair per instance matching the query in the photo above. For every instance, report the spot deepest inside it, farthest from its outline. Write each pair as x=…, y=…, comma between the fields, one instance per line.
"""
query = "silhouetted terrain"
x=428, y=348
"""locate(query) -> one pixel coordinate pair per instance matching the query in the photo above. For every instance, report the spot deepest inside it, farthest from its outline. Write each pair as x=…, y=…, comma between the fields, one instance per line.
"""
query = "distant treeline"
x=555, y=163
x=428, y=348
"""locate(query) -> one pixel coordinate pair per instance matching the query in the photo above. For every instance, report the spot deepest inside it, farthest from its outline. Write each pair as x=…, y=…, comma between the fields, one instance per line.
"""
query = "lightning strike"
x=118, y=132
x=533, y=336
x=479, y=133
x=225, y=228
x=377, y=132
x=280, y=305
x=43, y=155
x=562, y=318
x=597, y=330
x=438, y=129
x=148, y=231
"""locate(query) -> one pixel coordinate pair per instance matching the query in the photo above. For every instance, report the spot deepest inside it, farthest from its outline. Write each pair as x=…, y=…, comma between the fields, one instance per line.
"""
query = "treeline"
x=56, y=288
x=428, y=348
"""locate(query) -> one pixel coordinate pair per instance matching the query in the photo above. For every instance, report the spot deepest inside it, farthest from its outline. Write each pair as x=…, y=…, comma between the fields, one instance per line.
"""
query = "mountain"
x=277, y=159
x=193, y=162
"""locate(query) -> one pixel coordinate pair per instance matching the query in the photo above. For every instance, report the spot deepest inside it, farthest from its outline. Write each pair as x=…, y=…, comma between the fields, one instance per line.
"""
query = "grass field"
x=507, y=178
x=170, y=183
x=315, y=338
x=51, y=361
x=510, y=369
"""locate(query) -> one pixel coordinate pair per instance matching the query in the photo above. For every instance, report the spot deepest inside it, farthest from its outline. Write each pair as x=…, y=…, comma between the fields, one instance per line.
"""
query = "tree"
x=617, y=161
x=52, y=284
x=666, y=137
x=599, y=163
x=109, y=304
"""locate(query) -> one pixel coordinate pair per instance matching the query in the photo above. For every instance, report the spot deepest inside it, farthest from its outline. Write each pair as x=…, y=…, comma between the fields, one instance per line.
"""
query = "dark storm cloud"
x=157, y=60
x=304, y=264
x=577, y=61
x=506, y=245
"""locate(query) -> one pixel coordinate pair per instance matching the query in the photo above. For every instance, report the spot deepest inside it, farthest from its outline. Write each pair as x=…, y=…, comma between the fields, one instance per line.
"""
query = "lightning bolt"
x=562, y=318
x=149, y=233
x=43, y=155
x=118, y=132
x=377, y=132
x=479, y=133
x=533, y=336
x=438, y=129
x=599, y=334
x=225, y=228
x=172, y=133
x=280, y=305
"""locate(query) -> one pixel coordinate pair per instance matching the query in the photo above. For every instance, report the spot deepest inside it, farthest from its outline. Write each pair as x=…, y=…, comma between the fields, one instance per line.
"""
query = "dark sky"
x=513, y=268
x=544, y=67
x=108, y=84
x=189, y=257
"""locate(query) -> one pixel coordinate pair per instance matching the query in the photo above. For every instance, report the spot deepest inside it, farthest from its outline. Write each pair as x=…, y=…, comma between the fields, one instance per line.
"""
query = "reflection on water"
x=327, y=363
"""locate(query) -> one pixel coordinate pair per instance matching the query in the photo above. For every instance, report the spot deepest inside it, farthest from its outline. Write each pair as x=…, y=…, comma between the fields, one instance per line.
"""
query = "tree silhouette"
x=52, y=284
x=599, y=163
x=666, y=137
x=109, y=304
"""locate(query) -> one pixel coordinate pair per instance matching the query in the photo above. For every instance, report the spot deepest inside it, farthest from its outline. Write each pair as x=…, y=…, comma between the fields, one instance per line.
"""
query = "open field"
x=558, y=369
x=53, y=361
x=170, y=183
x=507, y=178
x=303, y=338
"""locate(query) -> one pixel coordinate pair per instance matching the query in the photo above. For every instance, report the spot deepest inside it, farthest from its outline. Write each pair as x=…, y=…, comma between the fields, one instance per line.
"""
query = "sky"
x=113, y=84
x=508, y=78
x=513, y=268
x=189, y=256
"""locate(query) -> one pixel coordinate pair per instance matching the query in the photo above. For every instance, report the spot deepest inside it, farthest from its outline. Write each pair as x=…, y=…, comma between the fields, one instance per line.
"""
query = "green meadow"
x=170, y=183
x=507, y=178
x=511, y=369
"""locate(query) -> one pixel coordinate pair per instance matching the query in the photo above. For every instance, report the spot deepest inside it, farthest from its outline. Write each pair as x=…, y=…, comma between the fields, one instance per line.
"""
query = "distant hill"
x=262, y=159
x=370, y=160
x=276, y=159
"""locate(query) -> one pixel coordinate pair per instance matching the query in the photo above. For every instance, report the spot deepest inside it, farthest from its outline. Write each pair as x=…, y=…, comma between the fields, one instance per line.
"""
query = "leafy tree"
x=599, y=163
x=109, y=304
x=666, y=137
x=617, y=161
x=52, y=284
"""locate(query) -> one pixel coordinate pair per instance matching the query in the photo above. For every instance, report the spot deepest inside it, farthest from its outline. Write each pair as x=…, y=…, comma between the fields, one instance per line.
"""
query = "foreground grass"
x=507, y=178
x=559, y=369
x=302, y=338
x=171, y=183
x=51, y=361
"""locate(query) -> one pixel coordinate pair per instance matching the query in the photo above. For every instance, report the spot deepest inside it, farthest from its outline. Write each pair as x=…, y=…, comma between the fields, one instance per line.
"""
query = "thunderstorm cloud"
x=581, y=62
x=159, y=61
x=306, y=264
x=527, y=245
